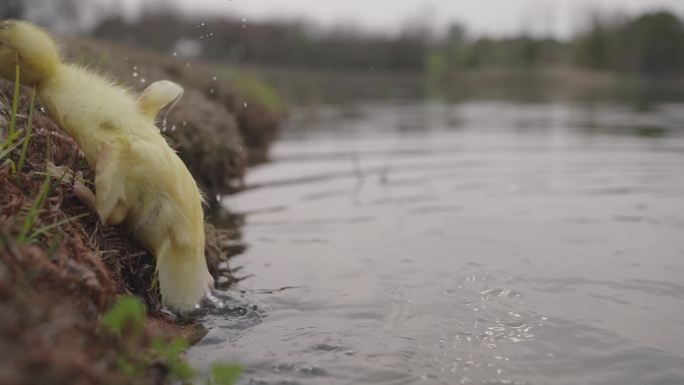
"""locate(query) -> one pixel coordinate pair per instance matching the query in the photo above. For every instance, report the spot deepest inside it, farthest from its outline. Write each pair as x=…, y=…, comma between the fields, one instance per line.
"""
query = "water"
x=479, y=243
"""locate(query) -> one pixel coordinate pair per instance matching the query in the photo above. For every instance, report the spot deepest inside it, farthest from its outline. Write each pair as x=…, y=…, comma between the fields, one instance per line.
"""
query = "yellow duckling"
x=138, y=177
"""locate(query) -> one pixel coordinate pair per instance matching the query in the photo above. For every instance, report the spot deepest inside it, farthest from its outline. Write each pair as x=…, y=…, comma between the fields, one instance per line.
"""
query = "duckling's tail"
x=183, y=277
x=31, y=48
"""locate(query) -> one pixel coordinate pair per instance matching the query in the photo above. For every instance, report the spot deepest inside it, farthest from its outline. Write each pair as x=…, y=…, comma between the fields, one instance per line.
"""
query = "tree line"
x=650, y=44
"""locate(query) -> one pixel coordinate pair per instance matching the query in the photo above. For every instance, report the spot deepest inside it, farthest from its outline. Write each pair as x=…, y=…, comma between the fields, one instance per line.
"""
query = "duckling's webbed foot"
x=85, y=195
x=67, y=176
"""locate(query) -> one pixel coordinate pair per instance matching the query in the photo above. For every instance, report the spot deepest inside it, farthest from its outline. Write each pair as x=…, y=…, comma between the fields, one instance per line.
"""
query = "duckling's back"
x=92, y=109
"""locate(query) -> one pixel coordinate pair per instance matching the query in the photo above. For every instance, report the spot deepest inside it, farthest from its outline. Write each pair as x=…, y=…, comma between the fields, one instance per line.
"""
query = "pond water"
x=474, y=243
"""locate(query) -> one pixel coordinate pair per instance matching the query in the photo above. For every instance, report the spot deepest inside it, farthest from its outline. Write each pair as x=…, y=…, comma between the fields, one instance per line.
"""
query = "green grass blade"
x=15, y=104
x=35, y=233
x=48, y=149
x=6, y=151
x=34, y=211
x=27, y=138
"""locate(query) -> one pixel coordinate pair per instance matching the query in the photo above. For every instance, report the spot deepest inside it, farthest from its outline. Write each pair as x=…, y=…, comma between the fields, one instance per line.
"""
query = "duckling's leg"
x=110, y=201
x=84, y=194
x=87, y=196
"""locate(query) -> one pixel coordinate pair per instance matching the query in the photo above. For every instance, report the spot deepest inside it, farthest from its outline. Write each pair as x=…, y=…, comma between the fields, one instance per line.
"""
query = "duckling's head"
x=35, y=51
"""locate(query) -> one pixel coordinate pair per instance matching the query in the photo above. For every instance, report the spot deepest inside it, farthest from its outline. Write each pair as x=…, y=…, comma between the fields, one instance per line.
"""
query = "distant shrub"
x=651, y=44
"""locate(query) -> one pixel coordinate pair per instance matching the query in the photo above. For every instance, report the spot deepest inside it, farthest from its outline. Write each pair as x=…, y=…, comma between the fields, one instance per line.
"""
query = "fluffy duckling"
x=138, y=177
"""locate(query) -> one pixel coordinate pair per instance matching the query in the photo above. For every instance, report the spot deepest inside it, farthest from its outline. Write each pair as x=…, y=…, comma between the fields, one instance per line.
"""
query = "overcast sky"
x=497, y=17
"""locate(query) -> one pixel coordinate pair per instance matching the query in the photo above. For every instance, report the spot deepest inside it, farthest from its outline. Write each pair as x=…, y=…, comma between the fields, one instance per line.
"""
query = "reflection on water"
x=490, y=243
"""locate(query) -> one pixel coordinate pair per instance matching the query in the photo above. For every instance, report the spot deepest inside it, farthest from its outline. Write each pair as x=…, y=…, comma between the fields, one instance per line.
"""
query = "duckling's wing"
x=157, y=96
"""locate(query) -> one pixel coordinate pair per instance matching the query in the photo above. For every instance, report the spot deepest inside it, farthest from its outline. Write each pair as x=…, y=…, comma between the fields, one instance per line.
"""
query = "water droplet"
x=185, y=123
x=143, y=80
x=211, y=91
x=245, y=104
x=175, y=53
x=135, y=74
x=214, y=78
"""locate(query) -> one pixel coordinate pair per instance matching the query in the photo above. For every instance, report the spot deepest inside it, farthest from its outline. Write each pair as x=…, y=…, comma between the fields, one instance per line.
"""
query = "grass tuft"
x=127, y=318
x=128, y=312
